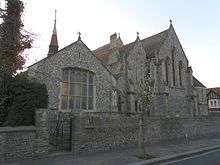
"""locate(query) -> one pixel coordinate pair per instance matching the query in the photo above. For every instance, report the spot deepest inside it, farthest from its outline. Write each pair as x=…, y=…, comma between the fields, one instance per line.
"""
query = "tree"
x=144, y=95
x=13, y=39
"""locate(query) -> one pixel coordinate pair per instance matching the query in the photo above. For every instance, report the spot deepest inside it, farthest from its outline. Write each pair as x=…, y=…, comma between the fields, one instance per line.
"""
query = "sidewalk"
x=123, y=157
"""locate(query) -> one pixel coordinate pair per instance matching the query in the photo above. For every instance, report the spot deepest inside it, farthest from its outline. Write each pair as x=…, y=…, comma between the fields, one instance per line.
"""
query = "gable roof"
x=54, y=54
x=197, y=83
x=102, y=49
x=150, y=44
x=69, y=47
x=155, y=41
x=215, y=90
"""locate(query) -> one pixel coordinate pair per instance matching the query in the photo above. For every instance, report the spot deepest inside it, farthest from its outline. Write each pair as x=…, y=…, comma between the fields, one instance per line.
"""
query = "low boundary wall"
x=25, y=142
x=93, y=132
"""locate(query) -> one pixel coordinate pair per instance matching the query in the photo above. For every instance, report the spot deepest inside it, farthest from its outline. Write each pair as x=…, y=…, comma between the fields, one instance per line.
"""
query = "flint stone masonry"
x=25, y=142
x=76, y=55
x=17, y=142
x=118, y=68
x=92, y=132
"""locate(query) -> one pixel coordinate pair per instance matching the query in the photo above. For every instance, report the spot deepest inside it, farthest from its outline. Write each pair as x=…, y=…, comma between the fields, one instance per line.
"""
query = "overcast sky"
x=196, y=23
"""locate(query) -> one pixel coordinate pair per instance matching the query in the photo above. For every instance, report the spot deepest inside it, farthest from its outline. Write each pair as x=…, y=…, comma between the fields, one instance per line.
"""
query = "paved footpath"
x=123, y=157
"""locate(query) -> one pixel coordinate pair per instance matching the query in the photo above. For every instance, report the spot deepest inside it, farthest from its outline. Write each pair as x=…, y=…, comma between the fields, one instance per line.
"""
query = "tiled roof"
x=102, y=49
x=216, y=90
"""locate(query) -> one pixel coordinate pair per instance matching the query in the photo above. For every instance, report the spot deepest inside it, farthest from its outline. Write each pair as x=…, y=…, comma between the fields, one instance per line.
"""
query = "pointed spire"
x=55, y=23
x=53, y=47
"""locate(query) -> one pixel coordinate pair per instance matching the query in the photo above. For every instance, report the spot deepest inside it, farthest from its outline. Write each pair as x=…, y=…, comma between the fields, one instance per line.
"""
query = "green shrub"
x=23, y=98
x=146, y=156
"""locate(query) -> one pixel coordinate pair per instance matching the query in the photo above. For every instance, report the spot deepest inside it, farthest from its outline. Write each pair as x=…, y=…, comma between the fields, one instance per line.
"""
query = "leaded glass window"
x=77, y=89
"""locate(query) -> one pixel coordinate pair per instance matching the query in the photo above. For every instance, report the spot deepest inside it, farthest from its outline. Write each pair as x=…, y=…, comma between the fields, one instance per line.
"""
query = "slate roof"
x=197, y=83
x=150, y=44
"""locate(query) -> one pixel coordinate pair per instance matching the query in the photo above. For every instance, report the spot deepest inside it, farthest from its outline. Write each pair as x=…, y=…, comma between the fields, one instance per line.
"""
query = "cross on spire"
x=79, y=36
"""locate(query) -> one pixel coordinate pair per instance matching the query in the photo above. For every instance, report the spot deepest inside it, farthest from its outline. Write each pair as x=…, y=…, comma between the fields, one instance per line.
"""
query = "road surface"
x=209, y=158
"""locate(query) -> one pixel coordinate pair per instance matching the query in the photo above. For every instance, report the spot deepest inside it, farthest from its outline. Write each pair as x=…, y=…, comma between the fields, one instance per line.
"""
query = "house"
x=214, y=99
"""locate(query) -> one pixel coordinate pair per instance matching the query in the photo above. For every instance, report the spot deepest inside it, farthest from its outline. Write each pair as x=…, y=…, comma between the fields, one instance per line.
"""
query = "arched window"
x=136, y=105
x=180, y=73
x=167, y=66
x=77, y=89
x=173, y=66
x=119, y=102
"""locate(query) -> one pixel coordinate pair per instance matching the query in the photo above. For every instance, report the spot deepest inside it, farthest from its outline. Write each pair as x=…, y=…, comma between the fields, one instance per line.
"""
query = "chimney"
x=115, y=41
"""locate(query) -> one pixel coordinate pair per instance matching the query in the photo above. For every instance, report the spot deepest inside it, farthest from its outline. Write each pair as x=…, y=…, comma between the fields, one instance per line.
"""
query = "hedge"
x=20, y=99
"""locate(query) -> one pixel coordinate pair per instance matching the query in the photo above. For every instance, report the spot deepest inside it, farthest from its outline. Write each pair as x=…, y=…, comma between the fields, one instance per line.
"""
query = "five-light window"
x=77, y=89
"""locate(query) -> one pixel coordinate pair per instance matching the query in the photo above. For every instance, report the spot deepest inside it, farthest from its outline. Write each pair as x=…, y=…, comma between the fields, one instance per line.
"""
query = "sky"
x=196, y=24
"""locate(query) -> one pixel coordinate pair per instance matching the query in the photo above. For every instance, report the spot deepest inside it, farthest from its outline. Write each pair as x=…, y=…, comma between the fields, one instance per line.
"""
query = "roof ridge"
x=148, y=37
x=156, y=34
x=53, y=54
x=97, y=49
x=101, y=47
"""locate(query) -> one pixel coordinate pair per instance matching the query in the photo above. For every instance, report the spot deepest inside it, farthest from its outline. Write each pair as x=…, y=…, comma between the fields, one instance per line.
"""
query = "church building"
x=107, y=79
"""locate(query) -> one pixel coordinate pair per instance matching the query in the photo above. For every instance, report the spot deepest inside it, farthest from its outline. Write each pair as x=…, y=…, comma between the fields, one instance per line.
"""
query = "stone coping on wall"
x=17, y=129
x=82, y=113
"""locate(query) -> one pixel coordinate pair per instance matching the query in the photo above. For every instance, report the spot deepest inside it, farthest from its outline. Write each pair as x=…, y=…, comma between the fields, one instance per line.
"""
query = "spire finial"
x=55, y=22
x=55, y=16
x=79, y=36
x=171, y=21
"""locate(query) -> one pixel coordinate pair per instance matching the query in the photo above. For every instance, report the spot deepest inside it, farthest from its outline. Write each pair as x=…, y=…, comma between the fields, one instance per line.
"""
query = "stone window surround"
x=180, y=70
x=167, y=70
x=180, y=67
x=173, y=65
x=94, y=92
